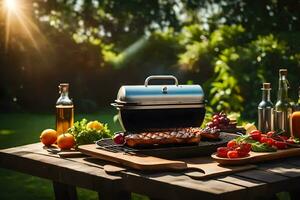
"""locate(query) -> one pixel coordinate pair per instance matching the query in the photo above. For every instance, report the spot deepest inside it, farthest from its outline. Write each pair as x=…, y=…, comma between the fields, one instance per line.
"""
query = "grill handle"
x=161, y=77
x=117, y=105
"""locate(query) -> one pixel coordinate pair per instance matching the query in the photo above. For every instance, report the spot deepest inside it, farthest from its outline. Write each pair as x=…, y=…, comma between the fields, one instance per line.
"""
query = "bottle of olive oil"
x=265, y=110
x=64, y=110
x=283, y=109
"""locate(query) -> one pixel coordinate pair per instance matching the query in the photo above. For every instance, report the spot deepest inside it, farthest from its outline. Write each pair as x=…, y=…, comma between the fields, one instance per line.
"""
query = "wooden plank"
x=261, y=175
x=35, y=147
x=249, y=183
x=275, y=182
x=294, y=161
x=176, y=186
x=57, y=169
x=284, y=169
x=64, y=192
x=255, y=189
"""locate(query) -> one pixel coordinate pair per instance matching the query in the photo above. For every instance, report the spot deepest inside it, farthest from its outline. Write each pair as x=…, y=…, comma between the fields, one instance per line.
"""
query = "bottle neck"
x=64, y=94
x=283, y=88
x=266, y=94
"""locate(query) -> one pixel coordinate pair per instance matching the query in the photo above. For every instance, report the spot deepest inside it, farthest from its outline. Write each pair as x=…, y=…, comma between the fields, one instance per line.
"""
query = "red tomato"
x=241, y=152
x=267, y=140
x=233, y=154
x=231, y=144
x=222, y=152
x=246, y=147
x=255, y=135
x=284, y=138
x=280, y=144
x=270, y=133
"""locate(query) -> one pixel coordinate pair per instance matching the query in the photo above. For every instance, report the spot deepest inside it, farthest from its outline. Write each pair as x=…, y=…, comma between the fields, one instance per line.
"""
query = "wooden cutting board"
x=255, y=157
x=197, y=168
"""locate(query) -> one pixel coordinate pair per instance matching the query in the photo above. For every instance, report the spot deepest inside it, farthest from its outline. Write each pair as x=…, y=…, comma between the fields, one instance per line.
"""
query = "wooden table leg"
x=295, y=194
x=64, y=192
x=116, y=195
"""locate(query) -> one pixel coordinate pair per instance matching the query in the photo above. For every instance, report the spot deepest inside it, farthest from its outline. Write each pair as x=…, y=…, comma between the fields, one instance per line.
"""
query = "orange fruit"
x=48, y=137
x=65, y=141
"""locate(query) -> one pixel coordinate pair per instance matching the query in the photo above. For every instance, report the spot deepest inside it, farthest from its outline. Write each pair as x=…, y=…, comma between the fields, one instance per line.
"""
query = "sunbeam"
x=17, y=14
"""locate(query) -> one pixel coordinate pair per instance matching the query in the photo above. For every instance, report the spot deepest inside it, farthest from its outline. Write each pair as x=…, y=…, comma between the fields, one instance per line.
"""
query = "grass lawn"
x=20, y=129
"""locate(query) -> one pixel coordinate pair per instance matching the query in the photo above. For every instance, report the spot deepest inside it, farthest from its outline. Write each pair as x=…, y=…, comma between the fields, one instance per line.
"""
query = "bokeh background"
x=230, y=47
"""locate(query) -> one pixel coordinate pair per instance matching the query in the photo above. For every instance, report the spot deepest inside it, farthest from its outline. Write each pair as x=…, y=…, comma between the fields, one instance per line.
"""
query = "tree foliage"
x=235, y=45
x=230, y=46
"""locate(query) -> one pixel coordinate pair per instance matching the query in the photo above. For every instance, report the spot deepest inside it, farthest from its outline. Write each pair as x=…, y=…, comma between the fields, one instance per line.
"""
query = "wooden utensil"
x=196, y=168
x=255, y=157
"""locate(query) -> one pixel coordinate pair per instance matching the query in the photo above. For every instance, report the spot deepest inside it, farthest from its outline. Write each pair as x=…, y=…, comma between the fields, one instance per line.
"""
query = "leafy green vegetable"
x=255, y=145
x=85, y=135
x=245, y=138
x=296, y=140
x=261, y=147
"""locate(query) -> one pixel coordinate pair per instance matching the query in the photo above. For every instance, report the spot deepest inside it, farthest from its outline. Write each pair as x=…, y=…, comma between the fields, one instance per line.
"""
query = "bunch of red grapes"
x=219, y=121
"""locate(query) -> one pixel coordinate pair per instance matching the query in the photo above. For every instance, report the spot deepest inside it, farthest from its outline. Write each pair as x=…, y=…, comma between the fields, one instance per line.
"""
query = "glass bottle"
x=295, y=119
x=297, y=107
x=283, y=109
x=64, y=110
x=265, y=110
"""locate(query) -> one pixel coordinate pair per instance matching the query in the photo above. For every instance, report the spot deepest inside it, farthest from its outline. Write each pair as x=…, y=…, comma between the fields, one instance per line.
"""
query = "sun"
x=19, y=21
x=11, y=5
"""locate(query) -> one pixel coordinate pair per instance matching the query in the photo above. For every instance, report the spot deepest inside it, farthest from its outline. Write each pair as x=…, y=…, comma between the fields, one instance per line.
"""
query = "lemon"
x=95, y=125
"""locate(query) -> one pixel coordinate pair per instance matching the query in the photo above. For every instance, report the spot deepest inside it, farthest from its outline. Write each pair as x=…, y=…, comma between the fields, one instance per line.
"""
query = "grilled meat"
x=176, y=136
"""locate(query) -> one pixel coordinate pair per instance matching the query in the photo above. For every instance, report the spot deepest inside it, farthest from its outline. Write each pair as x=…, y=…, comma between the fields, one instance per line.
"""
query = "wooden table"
x=67, y=173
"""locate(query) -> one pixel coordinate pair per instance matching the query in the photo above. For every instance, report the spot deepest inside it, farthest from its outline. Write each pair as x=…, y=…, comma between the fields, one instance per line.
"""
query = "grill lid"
x=160, y=94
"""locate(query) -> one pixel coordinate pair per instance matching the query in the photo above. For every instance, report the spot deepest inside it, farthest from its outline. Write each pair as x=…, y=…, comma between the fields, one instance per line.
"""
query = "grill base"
x=157, y=119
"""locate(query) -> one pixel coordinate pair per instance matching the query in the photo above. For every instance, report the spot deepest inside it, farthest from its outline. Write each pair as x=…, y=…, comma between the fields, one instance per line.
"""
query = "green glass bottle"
x=283, y=108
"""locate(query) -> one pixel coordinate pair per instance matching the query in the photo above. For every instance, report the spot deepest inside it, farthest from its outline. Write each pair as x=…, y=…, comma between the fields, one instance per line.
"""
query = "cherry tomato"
x=222, y=152
x=255, y=135
x=270, y=134
x=284, y=138
x=119, y=138
x=267, y=140
x=280, y=144
x=246, y=147
x=233, y=154
x=231, y=144
x=241, y=152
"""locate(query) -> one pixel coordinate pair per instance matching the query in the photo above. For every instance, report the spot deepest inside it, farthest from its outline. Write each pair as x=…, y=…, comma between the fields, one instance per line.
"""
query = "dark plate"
x=204, y=148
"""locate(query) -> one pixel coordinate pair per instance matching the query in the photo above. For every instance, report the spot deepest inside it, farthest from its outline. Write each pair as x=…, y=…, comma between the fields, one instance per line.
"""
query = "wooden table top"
x=267, y=179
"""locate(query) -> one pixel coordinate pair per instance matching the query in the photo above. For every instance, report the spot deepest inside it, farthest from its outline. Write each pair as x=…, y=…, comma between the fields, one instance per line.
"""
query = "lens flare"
x=11, y=5
x=19, y=21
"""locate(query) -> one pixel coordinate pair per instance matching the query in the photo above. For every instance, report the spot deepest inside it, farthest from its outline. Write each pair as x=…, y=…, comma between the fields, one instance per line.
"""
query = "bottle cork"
x=283, y=71
x=266, y=86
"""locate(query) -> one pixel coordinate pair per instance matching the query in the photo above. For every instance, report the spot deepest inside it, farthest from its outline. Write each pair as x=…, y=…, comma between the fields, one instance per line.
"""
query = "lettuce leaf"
x=83, y=135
